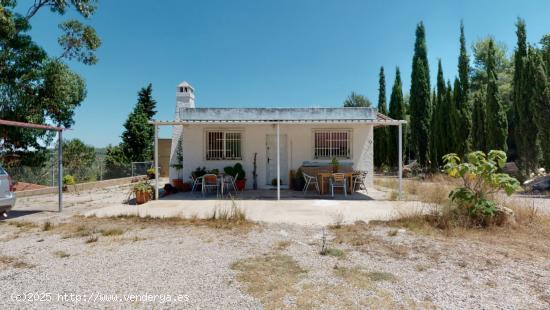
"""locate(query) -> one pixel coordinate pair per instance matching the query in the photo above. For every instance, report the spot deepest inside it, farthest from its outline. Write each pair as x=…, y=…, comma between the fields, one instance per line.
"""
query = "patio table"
x=326, y=175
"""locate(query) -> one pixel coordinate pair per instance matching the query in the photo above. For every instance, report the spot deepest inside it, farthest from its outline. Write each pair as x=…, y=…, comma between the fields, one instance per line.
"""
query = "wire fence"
x=31, y=177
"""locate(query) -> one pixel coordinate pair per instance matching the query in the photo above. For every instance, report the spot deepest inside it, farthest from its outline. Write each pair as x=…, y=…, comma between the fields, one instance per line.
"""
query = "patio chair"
x=209, y=181
x=229, y=182
x=338, y=180
x=196, y=182
x=309, y=181
x=358, y=179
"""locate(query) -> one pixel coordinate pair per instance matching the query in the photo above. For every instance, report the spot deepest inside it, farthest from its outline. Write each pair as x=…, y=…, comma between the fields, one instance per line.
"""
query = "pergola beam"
x=59, y=151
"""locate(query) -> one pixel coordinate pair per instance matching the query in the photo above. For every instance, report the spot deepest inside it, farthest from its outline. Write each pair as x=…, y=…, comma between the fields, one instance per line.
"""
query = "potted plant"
x=143, y=191
x=298, y=180
x=178, y=182
x=237, y=171
x=68, y=180
x=151, y=173
x=335, y=164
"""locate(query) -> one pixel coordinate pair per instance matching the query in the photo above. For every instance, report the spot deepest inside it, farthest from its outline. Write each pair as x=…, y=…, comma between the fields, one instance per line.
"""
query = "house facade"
x=274, y=140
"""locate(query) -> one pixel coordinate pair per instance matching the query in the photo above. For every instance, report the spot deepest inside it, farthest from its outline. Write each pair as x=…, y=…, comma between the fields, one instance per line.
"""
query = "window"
x=332, y=143
x=223, y=145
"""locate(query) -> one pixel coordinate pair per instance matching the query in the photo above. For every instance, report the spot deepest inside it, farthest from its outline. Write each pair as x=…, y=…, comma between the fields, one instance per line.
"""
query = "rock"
x=504, y=216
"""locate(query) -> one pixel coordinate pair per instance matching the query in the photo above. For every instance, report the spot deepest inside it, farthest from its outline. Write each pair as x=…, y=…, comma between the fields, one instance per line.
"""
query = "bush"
x=69, y=180
x=481, y=179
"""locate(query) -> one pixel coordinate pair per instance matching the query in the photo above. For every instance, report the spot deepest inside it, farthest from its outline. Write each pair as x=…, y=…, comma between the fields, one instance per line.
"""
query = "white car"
x=7, y=196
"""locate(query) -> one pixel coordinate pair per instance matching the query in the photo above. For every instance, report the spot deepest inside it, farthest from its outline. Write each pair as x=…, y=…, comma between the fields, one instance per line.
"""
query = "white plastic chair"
x=338, y=180
x=229, y=181
x=309, y=181
x=359, y=180
x=196, y=182
x=210, y=181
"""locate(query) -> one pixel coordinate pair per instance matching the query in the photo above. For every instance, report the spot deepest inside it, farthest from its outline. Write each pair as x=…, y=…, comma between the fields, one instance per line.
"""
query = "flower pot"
x=299, y=184
x=240, y=184
x=185, y=187
x=178, y=183
x=142, y=197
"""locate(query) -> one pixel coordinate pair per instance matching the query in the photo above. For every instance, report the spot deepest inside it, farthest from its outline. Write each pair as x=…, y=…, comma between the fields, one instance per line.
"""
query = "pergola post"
x=156, y=162
x=60, y=169
x=278, y=164
x=400, y=160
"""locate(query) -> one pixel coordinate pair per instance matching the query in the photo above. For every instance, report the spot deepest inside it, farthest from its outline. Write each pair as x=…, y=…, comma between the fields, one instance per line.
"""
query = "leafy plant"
x=481, y=179
x=143, y=187
x=335, y=164
x=232, y=171
x=151, y=171
x=179, y=156
x=69, y=180
x=199, y=172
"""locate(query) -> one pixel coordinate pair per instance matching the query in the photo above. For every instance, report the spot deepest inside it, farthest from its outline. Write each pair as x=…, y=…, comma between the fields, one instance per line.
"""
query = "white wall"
x=299, y=148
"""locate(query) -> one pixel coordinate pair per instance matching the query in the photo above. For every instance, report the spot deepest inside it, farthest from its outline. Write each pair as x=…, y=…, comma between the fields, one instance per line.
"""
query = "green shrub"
x=69, y=180
x=481, y=179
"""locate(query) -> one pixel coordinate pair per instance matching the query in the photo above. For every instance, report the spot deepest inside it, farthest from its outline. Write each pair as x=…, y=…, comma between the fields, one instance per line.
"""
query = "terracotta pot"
x=185, y=187
x=177, y=183
x=240, y=184
x=142, y=197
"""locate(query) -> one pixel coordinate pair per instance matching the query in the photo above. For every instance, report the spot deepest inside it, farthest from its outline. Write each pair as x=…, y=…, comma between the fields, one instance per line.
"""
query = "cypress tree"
x=381, y=133
x=542, y=116
x=441, y=117
x=450, y=141
x=525, y=130
x=396, y=111
x=463, y=121
x=497, y=122
x=420, y=104
x=434, y=161
x=479, y=131
x=146, y=102
x=539, y=103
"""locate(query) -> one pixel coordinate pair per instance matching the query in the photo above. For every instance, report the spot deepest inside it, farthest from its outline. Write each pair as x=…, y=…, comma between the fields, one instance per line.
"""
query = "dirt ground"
x=65, y=261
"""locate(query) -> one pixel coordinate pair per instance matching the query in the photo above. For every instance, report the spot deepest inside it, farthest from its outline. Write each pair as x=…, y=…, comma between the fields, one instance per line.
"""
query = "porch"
x=263, y=206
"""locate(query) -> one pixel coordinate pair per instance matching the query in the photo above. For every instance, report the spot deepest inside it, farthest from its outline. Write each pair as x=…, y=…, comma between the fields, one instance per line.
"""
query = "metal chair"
x=196, y=182
x=209, y=181
x=309, y=181
x=358, y=179
x=229, y=181
x=338, y=180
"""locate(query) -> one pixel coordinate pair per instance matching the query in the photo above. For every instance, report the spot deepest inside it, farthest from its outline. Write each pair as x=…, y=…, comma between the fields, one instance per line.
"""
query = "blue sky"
x=259, y=53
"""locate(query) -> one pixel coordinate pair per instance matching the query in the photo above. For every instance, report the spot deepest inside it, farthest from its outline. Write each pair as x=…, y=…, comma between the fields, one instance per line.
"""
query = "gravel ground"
x=41, y=269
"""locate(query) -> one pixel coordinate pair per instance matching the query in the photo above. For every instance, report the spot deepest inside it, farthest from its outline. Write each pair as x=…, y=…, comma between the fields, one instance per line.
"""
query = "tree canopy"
x=357, y=100
x=34, y=86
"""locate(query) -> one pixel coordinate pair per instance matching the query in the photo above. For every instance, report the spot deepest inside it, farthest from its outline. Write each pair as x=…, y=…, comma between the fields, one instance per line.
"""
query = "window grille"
x=332, y=143
x=223, y=145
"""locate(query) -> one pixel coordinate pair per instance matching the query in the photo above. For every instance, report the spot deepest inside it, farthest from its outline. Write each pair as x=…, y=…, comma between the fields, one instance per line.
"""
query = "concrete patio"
x=262, y=206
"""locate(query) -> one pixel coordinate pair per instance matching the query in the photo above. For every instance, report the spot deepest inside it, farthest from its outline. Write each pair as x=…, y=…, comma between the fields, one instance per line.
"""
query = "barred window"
x=332, y=143
x=223, y=145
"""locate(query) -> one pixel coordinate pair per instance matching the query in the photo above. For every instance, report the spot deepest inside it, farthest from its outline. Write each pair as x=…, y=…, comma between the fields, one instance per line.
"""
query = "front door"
x=271, y=152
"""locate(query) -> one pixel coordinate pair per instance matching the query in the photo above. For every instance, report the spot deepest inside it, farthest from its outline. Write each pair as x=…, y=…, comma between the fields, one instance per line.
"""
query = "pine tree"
x=525, y=130
x=396, y=111
x=146, y=101
x=479, y=131
x=420, y=104
x=463, y=121
x=138, y=135
x=497, y=122
x=381, y=133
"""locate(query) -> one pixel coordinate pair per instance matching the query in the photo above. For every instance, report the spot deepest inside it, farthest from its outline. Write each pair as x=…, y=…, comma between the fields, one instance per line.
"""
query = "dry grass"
x=334, y=252
x=269, y=278
x=282, y=245
x=112, y=232
x=23, y=225
x=47, y=226
x=61, y=254
x=359, y=235
x=434, y=190
x=10, y=261
x=361, y=278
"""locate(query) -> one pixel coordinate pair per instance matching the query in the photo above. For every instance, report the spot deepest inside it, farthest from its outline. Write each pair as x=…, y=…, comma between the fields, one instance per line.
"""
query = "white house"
x=219, y=137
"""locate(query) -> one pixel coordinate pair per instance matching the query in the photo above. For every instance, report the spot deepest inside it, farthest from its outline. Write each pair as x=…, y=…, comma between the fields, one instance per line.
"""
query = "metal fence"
x=46, y=175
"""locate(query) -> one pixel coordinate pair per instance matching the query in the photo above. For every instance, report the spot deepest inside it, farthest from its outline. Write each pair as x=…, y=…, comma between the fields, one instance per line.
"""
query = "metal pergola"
x=59, y=131
x=381, y=120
